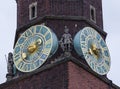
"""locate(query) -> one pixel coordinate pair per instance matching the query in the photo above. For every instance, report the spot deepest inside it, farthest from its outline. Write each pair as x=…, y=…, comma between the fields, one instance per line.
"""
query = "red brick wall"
x=53, y=78
x=81, y=79
x=66, y=75
x=23, y=10
x=66, y=7
x=98, y=6
x=58, y=7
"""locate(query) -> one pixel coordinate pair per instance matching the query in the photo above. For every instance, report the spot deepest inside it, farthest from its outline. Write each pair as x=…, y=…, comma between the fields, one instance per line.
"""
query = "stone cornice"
x=56, y=63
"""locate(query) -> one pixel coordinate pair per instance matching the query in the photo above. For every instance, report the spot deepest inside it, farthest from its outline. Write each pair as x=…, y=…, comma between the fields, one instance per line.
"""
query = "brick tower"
x=67, y=72
x=56, y=14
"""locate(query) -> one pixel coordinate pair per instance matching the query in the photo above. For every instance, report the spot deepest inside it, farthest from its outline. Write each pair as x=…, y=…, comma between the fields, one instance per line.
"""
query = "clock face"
x=33, y=48
x=90, y=45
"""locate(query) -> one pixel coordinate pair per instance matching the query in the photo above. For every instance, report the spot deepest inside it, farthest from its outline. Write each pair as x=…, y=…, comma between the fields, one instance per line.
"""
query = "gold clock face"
x=33, y=48
x=93, y=49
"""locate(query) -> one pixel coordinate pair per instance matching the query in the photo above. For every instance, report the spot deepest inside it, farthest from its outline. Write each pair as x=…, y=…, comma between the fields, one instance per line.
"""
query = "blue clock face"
x=34, y=47
x=90, y=45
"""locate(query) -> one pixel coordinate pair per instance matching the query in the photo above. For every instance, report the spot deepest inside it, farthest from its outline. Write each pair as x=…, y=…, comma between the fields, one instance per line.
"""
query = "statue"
x=10, y=63
x=66, y=40
x=10, y=69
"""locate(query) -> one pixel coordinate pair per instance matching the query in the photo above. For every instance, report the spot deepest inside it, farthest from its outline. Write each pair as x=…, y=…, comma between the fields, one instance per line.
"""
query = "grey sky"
x=111, y=16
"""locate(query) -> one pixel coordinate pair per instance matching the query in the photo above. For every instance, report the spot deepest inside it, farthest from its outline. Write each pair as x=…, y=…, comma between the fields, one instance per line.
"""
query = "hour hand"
x=24, y=55
x=90, y=51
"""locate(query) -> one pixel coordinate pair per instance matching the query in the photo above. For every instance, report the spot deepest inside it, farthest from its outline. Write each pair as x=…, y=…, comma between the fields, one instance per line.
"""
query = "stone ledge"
x=60, y=17
x=63, y=60
x=64, y=17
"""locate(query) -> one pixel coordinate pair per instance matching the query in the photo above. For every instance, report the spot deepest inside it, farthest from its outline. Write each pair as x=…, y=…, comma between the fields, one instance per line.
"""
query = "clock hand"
x=93, y=50
x=39, y=42
x=24, y=55
x=90, y=51
x=33, y=47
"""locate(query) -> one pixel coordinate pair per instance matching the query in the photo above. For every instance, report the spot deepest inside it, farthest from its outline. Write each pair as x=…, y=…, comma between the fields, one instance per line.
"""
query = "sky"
x=111, y=19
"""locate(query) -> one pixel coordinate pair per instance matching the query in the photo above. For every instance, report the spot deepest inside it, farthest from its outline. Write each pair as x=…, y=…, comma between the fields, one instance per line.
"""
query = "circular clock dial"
x=34, y=46
x=90, y=45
